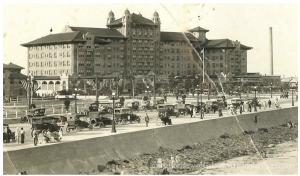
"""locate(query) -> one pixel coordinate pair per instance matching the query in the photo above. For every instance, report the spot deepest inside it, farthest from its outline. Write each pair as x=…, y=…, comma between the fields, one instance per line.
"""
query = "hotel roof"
x=135, y=18
x=176, y=36
x=99, y=32
x=58, y=38
x=224, y=44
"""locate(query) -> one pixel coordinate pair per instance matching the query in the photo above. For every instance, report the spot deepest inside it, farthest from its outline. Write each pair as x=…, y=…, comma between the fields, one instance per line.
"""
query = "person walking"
x=35, y=136
x=246, y=107
x=60, y=133
x=191, y=111
x=241, y=109
x=220, y=112
x=8, y=133
x=265, y=104
x=147, y=120
x=17, y=135
x=194, y=112
x=250, y=107
x=22, y=134
x=269, y=103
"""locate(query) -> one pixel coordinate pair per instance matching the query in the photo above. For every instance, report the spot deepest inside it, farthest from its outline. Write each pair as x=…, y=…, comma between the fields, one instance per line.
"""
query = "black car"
x=165, y=117
x=128, y=117
x=102, y=121
x=42, y=124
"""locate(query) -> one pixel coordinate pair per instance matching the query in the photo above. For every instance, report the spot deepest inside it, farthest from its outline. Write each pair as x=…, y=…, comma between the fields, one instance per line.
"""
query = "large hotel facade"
x=130, y=46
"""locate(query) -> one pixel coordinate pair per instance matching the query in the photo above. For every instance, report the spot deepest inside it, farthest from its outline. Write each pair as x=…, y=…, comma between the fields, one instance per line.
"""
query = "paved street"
x=154, y=123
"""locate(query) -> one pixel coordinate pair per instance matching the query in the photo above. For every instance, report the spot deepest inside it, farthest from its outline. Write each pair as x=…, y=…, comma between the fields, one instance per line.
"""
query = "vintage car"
x=160, y=101
x=124, y=115
x=94, y=107
x=102, y=120
x=236, y=102
x=41, y=124
x=170, y=108
x=36, y=112
x=147, y=105
x=164, y=115
x=211, y=105
x=135, y=105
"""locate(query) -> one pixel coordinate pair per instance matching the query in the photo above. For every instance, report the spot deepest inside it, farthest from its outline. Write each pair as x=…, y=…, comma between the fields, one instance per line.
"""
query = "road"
x=154, y=123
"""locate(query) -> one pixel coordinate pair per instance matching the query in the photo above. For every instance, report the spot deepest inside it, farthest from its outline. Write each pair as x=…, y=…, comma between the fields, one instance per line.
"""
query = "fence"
x=20, y=111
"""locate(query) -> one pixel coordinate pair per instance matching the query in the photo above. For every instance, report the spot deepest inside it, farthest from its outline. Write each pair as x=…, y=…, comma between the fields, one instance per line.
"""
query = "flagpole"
x=203, y=66
x=97, y=93
x=28, y=91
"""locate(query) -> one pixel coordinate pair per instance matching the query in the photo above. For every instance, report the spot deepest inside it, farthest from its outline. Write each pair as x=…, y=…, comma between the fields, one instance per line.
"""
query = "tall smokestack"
x=271, y=50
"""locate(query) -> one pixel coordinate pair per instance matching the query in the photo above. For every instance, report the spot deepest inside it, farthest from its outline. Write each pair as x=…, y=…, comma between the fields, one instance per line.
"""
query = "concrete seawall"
x=85, y=155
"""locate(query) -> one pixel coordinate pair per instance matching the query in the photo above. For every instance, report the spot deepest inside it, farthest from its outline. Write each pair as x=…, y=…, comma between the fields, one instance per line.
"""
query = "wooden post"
x=16, y=114
x=62, y=108
x=53, y=111
x=6, y=114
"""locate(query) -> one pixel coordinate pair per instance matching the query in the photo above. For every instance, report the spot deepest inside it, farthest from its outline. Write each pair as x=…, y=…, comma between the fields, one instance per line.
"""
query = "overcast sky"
x=248, y=23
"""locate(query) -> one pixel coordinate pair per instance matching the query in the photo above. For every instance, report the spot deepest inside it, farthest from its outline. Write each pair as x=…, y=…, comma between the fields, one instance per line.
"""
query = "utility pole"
x=271, y=51
x=97, y=87
x=28, y=91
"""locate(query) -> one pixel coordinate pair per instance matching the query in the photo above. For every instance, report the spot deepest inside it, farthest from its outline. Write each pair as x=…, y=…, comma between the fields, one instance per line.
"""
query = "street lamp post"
x=113, y=127
x=293, y=104
x=201, y=112
x=240, y=92
x=271, y=89
x=197, y=95
x=75, y=103
x=255, y=100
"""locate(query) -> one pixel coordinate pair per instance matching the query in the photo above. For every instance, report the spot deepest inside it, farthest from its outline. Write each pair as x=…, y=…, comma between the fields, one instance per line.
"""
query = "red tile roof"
x=99, y=32
x=66, y=37
x=197, y=29
x=224, y=43
x=176, y=36
x=11, y=66
x=136, y=19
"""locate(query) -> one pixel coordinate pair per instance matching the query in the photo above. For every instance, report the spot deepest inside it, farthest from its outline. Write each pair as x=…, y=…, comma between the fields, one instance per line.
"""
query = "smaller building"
x=12, y=86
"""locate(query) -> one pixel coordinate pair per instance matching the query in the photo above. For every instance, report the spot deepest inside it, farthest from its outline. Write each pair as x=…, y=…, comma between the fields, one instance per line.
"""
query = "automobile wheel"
x=91, y=126
x=101, y=125
x=68, y=130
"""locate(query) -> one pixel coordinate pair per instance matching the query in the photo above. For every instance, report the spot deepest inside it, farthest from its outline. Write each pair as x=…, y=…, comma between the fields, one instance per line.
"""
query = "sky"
x=247, y=23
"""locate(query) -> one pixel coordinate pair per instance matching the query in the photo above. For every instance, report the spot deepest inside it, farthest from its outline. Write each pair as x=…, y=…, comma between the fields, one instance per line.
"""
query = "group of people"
x=18, y=135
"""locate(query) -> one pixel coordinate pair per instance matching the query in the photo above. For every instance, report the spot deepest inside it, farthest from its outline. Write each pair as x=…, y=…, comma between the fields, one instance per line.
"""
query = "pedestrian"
x=246, y=107
x=8, y=132
x=241, y=109
x=265, y=104
x=250, y=107
x=60, y=133
x=22, y=133
x=269, y=103
x=194, y=112
x=35, y=135
x=147, y=119
x=202, y=112
x=243, y=106
x=191, y=112
x=220, y=112
x=17, y=135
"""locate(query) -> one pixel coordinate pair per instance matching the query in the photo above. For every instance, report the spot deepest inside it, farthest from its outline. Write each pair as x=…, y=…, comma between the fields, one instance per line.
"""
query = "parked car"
x=126, y=115
x=35, y=112
x=43, y=123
